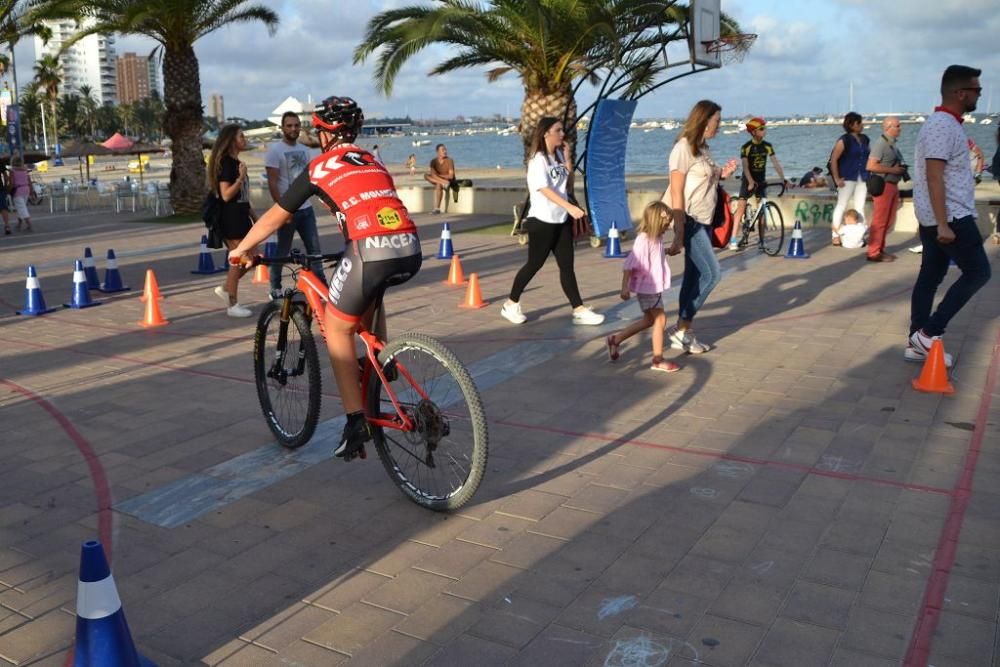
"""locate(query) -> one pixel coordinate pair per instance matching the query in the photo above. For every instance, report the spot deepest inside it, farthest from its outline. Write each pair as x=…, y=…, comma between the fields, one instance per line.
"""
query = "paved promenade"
x=786, y=499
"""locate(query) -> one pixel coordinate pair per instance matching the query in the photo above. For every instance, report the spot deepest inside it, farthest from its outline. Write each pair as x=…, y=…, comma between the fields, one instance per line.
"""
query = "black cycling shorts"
x=745, y=188
x=367, y=267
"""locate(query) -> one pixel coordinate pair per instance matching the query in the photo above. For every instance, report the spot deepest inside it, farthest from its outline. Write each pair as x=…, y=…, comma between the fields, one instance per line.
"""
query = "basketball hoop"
x=731, y=48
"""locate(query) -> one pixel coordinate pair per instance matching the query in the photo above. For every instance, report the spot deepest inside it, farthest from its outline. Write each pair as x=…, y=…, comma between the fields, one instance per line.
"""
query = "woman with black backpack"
x=847, y=166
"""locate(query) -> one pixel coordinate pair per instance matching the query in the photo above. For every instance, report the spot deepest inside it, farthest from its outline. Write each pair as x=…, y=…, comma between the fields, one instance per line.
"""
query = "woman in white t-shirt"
x=549, y=223
x=694, y=177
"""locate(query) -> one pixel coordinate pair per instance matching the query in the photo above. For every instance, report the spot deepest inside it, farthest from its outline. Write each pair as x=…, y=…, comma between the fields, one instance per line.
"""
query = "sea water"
x=798, y=147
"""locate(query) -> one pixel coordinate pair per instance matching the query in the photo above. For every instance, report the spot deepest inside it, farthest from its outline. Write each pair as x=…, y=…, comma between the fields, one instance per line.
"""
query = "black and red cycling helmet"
x=340, y=116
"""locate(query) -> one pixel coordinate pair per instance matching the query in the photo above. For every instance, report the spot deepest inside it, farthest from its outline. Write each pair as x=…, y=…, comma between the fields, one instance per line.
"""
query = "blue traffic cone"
x=614, y=247
x=90, y=270
x=796, y=250
x=205, y=263
x=102, y=634
x=112, y=279
x=34, y=302
x=445, y=248
x=81, y=293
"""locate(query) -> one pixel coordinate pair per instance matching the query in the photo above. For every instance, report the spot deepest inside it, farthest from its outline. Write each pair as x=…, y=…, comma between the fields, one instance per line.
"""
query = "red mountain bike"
x=429, y=428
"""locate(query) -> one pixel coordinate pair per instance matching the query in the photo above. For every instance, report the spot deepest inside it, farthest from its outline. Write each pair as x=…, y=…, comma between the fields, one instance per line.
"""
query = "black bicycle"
x=764, y=222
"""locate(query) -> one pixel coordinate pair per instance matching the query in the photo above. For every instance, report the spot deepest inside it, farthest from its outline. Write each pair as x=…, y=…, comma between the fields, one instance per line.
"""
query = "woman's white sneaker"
x=683, y=340
x=221, y=292
x=512, y=312
x=236, y=310
x=585, y=315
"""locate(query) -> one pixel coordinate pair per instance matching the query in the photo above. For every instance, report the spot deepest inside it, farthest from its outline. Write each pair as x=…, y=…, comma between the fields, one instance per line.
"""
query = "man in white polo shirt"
x=944, y=196
x=284, y=161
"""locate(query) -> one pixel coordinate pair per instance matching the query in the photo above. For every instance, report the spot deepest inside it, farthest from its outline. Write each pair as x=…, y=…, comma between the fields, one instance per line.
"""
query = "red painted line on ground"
x=919, y=652
x=100, y=480
x=724, y=456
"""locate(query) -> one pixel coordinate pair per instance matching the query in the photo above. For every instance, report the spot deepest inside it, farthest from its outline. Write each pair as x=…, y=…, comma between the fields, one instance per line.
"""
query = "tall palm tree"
x=15, y=23
x=176, y=25
x=550, y=44
x=31, y=110
x=48, y=77
x=88, y=107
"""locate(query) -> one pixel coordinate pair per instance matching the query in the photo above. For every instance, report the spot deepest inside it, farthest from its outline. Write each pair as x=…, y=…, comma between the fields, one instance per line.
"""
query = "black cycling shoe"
x=352, y=440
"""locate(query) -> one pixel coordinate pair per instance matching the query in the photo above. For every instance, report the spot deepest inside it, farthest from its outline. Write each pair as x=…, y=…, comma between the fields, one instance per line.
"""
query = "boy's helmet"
x=755, y=124
x=340, y=116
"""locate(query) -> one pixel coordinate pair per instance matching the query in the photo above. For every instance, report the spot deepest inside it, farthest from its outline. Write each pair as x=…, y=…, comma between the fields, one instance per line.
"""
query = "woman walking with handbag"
x=692, y=194
x=550, y=223
x=227, y=177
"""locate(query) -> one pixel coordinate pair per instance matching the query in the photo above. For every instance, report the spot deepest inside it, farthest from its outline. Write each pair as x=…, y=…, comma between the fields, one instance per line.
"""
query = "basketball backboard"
x=705, y=21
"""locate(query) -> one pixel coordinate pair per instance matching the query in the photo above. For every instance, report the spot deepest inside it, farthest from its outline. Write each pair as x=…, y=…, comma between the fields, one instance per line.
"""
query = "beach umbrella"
x=140, y=149
x=84, y=149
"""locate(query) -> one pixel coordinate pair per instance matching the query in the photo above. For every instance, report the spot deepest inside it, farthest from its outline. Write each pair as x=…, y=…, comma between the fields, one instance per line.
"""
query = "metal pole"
x=16, y=100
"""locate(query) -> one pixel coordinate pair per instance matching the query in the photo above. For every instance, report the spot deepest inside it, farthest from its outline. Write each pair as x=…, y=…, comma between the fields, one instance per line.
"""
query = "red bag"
x=722, y=220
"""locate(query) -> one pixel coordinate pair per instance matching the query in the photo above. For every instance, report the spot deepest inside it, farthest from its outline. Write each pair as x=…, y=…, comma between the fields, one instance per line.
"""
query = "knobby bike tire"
x=460, y=462
x=290, y=409
x=773, y=232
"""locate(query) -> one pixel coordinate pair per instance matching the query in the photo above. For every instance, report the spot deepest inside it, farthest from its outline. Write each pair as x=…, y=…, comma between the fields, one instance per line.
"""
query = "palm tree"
x=550, y=44
x=88, y=105
x=15, y=24
x=70, y=112
x=31, y=110
x=48, y=77
x=176, y=25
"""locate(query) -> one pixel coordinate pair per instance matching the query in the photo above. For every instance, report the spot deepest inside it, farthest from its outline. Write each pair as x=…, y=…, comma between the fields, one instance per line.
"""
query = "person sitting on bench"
x=442, y=175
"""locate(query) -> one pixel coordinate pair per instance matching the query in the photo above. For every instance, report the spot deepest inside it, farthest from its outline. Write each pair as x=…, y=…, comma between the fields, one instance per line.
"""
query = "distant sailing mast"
x=850, y=101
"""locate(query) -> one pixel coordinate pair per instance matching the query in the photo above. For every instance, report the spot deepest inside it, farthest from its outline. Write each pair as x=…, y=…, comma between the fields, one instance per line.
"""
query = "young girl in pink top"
x=646, y=273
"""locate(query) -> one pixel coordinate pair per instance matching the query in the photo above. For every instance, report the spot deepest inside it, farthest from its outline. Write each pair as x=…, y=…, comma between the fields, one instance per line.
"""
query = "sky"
x=806, y=58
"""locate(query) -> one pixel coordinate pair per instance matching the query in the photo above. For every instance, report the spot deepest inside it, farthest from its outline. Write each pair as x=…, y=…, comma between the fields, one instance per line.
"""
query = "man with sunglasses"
x=944, y=198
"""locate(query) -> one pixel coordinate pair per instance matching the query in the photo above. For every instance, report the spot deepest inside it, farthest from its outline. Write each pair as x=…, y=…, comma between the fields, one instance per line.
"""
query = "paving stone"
x=440, y=619
x=495, y=530
x=837, y=568
x=750, y=602
x=877, y=632
x=631, y=644
x=847, y=658
x=353, y=629
x=819, y=605
x=393, y=648
x=699, y=576
x=901, y=594
x=469, y=650
x=454, y=558
x=486, y=581
x=400, y=558
x=972, y=597
x=405, y=593
x=736, y=641
x=791, y=642
x=345, y=590
x=565, y=523
x=667, y=612
x=964, y=638
x=514, y=621
x=525, y=551
x=557, y=646
x=48, y=634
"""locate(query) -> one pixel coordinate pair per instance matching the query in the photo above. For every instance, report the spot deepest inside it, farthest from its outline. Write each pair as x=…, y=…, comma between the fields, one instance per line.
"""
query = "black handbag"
x=211, y=215
x=876, y=184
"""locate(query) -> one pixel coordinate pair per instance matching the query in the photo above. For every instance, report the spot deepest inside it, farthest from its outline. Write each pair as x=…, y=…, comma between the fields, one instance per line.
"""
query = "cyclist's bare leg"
x=340, y=346
x=379, y=327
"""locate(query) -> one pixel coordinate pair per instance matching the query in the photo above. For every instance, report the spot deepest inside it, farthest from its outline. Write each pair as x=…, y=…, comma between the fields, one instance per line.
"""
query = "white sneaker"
x=237, y=310
x=917, y=249
x=685, y=341
x=436, y=211
x=919, y=346
x=584, y=315
x=221, y=292
x=512, y=312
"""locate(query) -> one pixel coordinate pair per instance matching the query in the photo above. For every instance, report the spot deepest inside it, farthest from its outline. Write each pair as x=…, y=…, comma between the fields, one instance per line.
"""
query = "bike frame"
x=315, y=292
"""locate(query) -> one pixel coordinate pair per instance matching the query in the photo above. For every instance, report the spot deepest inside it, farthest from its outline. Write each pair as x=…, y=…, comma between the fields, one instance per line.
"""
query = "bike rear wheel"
x=286, y=370
x=771, y=228
x=440, y=464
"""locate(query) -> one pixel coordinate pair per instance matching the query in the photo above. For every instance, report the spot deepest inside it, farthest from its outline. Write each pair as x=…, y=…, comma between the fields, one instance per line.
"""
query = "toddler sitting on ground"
x=853, y=230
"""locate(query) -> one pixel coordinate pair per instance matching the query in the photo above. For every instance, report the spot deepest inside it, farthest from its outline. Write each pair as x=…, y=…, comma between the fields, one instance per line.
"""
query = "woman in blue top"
x=847, y=166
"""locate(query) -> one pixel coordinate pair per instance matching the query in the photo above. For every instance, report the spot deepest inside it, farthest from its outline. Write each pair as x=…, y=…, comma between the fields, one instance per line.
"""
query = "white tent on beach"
x=292, y=103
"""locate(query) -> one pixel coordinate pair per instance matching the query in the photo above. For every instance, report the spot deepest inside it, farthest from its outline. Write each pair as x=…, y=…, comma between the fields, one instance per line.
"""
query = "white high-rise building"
x=89, y=62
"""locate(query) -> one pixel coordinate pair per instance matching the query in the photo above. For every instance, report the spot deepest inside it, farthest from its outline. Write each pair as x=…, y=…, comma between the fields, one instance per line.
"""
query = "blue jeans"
x=304, y=222
x=701, y=270
x=968, y=253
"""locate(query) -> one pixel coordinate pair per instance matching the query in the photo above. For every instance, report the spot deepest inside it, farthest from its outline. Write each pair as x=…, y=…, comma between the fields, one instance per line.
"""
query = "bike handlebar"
x=772, y=185
x=296, y=257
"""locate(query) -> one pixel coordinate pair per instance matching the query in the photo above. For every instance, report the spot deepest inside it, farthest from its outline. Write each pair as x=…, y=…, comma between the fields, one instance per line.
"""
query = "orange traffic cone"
x=151, y=287
x=261, y=275
x=153, y=317
x=455, y=275
x=934, y=376
x=473, y=297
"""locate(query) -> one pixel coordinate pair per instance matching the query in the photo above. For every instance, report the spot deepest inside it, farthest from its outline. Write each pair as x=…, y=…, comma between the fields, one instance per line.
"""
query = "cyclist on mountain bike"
x=381, y=245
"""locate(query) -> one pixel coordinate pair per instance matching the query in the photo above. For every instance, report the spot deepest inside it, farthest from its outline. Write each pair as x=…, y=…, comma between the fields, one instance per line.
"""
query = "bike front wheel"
x=771, y=227
x=441, y=462
x=286, y=370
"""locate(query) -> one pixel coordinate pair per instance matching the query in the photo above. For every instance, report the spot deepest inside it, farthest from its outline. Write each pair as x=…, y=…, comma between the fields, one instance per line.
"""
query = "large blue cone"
x=90, y=270
x=614, y=248
x=796, y=250
x=112, y=279
x=34, y=302
x=205, y=263
x=81, y=293
x=102, y=634
x=445, y=248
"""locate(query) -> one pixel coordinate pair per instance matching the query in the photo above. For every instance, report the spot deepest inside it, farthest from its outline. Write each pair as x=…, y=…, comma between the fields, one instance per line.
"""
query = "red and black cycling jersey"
x=356, y=188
